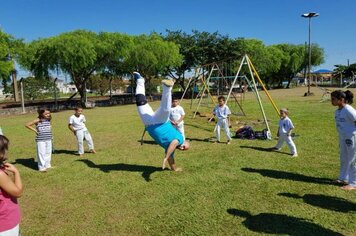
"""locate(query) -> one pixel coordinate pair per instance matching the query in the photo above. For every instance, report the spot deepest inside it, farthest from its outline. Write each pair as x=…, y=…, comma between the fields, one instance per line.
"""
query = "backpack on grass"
x=245, y=132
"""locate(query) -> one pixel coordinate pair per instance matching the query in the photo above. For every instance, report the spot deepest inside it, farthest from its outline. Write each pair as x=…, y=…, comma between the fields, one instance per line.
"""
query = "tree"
x=9, y=50
x=78, y=53
x=152, y=56
x=38, y=88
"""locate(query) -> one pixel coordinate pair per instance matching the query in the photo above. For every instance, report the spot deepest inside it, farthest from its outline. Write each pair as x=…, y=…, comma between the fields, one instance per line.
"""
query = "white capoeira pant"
x=222, y=123
x=161, y=115
x=348, y=159
x=11, y=232
x=288, y=139
x=180, y=128
x=44, y=153
x=83, y=134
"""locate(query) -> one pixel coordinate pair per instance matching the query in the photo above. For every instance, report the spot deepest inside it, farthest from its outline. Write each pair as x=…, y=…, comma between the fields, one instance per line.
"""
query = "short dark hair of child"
x=77, y=108
x=175, y=98
x=4, y=145
x=348, y=96
x=221, y=98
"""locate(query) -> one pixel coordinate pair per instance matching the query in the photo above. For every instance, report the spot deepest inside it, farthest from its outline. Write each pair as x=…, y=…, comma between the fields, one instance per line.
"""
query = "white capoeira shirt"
x=285, y=125
x=222, y=112
x=176, y=113
x=345, y=119
x=78, y=123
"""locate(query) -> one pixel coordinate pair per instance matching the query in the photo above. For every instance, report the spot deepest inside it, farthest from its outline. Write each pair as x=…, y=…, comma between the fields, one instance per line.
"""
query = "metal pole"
x=22, y=96
x=14, y=81
x=309, y=62
x=55, y=94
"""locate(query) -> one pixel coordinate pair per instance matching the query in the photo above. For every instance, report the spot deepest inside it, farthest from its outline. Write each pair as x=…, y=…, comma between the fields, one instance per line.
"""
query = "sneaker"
x=168, y=82
x=137, y=75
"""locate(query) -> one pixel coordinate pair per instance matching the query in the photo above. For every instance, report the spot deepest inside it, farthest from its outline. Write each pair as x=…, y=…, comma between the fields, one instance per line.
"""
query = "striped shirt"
x=44, y=131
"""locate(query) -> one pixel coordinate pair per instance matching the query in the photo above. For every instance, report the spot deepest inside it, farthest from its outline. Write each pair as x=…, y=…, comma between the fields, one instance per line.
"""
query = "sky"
x=272, y=21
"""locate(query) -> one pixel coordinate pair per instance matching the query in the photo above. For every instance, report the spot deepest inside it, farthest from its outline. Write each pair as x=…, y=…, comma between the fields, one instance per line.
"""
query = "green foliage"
x=151, y=55
x=38, y=88
x=9, y=49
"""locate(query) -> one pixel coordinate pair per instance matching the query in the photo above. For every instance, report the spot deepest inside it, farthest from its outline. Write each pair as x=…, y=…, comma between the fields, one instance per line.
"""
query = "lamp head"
x=310, y=15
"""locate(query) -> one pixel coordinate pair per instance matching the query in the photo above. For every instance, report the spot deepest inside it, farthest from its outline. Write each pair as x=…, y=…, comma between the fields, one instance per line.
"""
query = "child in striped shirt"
x=43, y=130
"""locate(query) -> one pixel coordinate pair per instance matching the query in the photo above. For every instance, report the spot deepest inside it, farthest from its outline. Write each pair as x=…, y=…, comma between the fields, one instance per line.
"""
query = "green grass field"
x=237, y=189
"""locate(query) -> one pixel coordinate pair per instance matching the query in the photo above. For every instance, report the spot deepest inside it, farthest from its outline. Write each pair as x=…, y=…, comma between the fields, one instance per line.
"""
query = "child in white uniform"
x=177, y=115
x=345, y=118
x=222, y=112
x=285, y=127
x=77, y=126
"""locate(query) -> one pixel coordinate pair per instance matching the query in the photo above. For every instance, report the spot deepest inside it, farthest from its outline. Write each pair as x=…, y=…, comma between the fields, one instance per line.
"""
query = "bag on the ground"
x=261, y=134
x=245, y=132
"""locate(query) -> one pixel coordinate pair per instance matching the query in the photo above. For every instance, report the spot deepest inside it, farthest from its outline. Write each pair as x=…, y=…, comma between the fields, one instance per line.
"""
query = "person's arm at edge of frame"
x=14, y=189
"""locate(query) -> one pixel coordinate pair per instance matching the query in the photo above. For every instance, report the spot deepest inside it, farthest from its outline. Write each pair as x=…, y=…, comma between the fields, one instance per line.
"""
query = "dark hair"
x=4, y=145
x=348, y=96
x=77, y=108
x=174, y=98
x=40, y=113
x=221, y=98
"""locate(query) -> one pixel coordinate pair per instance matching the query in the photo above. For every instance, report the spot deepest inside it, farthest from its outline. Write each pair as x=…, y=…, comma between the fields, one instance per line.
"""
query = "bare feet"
x=92, y=151
x=228, y=142
x=43, y=170
x=164, y=163
x=81, y=155
x=348, y=187
x=178, y=169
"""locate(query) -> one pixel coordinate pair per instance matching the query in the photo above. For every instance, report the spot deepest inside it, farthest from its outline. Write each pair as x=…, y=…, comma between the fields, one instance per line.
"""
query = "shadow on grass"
x=277, y=174
x=263, y=149
x=199, y=127
x=207, y=140
x=62, y=151
x=151, y=142
x=280, y=224
x=28, y=162
x=146, y=170
x=323, y=201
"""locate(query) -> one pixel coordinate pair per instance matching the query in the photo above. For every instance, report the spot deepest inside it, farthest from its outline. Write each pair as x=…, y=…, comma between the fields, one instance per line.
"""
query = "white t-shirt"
x=285, y=125
x=176, y=113
x=345, y=120
x=77, y=122
x=222, y=112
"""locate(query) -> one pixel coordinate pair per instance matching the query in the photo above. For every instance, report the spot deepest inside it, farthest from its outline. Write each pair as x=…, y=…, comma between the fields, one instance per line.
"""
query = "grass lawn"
x=237, y=189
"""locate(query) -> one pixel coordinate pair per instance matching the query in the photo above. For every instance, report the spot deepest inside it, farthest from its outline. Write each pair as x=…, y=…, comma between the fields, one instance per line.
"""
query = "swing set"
x=212, y=80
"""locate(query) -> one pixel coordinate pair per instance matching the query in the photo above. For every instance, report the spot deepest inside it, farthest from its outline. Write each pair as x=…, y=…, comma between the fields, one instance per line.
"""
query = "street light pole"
x=309, y=16
x=22, y=97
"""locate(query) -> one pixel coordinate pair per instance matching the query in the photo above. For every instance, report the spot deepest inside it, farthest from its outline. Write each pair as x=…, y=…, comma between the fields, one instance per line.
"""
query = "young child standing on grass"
x=222, y=112
x=77, y=126
x=284, y=133
x=43, y=130
x=10, y=189
x=345, y=118
x=177, y=115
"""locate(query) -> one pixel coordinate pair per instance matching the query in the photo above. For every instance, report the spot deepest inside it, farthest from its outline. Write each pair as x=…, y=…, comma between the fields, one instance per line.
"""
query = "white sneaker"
x=168, y=82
